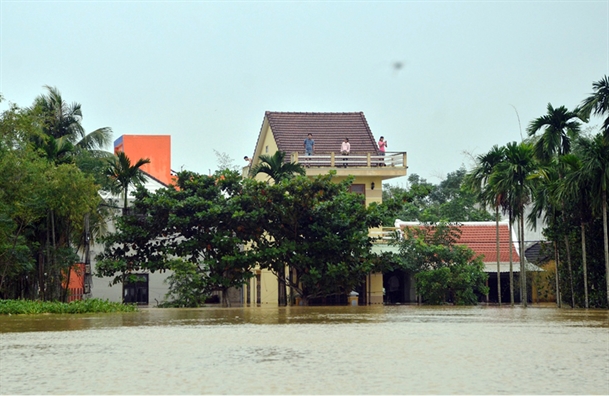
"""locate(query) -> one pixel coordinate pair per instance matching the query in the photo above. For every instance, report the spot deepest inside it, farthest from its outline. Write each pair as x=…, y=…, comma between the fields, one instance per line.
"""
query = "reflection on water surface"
x=314, y=350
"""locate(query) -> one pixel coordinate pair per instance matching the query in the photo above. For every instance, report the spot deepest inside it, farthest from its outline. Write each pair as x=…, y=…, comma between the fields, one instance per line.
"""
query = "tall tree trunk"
x=585, y=266
x=556, y=260
x=281, y=291
x=498, y=255
x=225, y=298
x=523, y=270
x=511, y=260
x=568, y=246
x=606, y=243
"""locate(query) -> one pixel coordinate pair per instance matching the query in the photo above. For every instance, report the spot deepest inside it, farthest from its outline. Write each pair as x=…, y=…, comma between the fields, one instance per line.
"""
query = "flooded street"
x=312, y=350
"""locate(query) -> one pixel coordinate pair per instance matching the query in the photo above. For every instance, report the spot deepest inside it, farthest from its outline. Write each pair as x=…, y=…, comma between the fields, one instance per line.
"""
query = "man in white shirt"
x=345, y=149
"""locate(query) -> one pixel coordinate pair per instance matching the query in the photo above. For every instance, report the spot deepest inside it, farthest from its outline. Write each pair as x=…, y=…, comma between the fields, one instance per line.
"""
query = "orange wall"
x=155, y=147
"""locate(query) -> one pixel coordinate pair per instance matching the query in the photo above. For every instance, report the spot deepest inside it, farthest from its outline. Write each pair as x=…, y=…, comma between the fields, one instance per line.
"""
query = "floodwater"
x=309, y=350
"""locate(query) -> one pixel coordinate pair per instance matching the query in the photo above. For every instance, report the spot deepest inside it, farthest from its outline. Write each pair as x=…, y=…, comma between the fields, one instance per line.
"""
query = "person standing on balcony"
x=382, y=147
x=345, y=149
x=309, y=146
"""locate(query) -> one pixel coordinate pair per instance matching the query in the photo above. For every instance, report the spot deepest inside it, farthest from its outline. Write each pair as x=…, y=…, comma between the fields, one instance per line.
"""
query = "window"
x=136, y=290
x=358, y=189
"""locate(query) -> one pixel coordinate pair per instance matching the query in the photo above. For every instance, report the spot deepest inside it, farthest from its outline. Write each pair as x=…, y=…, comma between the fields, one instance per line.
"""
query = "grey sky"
x=205, y=72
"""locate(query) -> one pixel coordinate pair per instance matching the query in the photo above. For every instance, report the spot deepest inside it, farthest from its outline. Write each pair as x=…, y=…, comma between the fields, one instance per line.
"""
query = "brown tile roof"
x=481, y=237
x=328, y=129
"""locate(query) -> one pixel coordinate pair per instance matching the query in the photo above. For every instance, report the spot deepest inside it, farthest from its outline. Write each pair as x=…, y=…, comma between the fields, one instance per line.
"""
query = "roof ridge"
x=315, y=112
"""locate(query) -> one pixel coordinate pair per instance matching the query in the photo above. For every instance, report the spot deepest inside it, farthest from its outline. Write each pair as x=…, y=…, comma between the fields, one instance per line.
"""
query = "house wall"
x=157, y=148
x=544, y=283
x=157, y=288
x=102, y=287
x=267, y=147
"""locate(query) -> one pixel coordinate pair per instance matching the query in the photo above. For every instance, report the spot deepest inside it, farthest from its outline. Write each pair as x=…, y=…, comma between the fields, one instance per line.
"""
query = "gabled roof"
x=481, y=237
x=328, y=130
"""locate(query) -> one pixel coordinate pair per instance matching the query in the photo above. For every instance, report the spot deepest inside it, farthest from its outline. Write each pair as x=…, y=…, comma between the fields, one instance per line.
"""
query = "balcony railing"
x=392, y=159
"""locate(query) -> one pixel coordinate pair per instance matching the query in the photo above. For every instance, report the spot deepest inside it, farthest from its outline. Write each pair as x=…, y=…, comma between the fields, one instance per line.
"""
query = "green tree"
x=595, y=172
x=426, y=202
x=598, y=103
x=276, y=167
x=320, y=231
x=477, y=181
x=515, y=176
x=63, y=120
x=573, y=189
x=123, y=174
x=444, y=270
x=559, y=127
x=198, y=229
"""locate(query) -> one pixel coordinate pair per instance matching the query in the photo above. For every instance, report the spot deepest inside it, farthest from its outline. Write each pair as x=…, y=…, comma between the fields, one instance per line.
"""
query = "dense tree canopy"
x=425, y=202
x=44, y=198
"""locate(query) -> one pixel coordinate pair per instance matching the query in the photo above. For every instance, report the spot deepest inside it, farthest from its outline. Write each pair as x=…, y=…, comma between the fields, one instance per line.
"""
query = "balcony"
x=393, y=164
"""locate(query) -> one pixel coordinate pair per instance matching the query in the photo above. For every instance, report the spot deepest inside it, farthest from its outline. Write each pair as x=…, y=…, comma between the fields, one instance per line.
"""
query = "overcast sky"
x=205, y=72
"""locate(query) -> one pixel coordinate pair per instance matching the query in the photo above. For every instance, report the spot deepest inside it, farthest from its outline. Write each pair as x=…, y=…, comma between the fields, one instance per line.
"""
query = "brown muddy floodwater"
x=309, y=350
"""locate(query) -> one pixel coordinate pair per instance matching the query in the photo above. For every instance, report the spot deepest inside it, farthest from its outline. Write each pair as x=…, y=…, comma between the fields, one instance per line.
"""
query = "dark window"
x=358, y=189
x=136, y=290
x=258, y=288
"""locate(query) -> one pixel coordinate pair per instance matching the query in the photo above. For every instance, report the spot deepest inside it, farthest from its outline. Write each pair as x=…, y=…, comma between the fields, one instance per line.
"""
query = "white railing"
x=391, y=159
x=384, y=235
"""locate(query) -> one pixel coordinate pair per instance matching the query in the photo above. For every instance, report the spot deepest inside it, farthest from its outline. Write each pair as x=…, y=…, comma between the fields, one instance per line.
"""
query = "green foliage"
x=319, y=230
x=204, y=221
x=124, y=174
x=276, y=168
x=422, y=201
x=188, y=285
x=444, y=270
x=456, y=283
x=93, y=305
x=44, y=195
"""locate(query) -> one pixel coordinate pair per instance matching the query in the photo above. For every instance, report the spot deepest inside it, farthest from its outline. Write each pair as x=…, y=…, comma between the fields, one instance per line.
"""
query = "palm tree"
x=560, y=126
x=276, y=168
x=595, y=169
x=63, y=119
x=477, y=181
x=514, y=175
x=598, y=103
x=123, y=174
x=574, y=189
x=545, y=203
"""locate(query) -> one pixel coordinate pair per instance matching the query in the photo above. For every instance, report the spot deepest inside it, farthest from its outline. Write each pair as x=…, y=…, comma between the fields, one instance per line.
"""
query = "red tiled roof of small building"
x=481, y=237
x=328, y=130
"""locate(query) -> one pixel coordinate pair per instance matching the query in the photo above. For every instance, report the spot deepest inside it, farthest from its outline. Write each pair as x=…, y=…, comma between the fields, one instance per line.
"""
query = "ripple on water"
x=315, y=350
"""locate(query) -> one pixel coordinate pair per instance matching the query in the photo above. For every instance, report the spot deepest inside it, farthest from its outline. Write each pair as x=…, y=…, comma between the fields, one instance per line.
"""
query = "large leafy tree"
x=426, y=202
x=42, y=203
x=276, y=167
x=198, y=228
x=123, y=174
x=444, y=270
x=320, y=230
